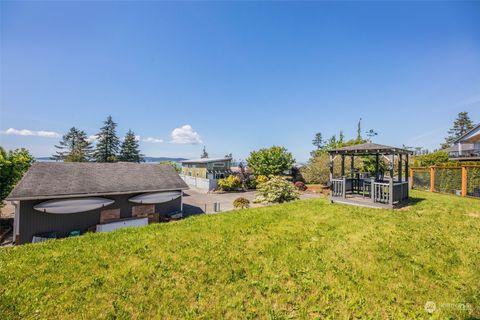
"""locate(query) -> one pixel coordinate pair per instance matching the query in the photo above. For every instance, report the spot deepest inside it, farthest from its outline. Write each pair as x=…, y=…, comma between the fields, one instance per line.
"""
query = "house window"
x=219, y=164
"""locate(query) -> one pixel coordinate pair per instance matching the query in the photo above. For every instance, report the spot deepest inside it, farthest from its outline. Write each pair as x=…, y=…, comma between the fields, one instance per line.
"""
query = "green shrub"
x=431, y=159
x=241, y=203
x=276, y=190
x=230, y=183
x=251, y=183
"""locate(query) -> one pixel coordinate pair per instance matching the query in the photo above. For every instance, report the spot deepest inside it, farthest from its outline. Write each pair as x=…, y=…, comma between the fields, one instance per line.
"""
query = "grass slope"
x=304, y=259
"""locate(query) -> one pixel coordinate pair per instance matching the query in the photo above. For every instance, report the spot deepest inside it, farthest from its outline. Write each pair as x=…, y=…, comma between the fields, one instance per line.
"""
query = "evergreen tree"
x=318, y=141
x=461, y=125
x=74, y=147
x=204, y=153
x=341, y=137
x=107, y=142
x=129, y=151
x=359, y=130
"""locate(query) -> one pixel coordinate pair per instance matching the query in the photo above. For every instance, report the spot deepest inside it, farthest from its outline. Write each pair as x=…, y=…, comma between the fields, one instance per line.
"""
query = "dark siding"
x=33, y=222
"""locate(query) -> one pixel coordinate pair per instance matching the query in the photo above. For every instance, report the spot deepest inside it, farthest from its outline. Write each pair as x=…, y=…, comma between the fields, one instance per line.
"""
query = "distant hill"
x=147, y=159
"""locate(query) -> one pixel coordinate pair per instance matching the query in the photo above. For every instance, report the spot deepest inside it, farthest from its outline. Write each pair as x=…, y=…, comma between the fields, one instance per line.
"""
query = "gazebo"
x=371, y=191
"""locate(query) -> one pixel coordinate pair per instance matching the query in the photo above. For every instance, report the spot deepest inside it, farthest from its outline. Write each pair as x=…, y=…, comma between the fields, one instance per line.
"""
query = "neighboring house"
x=204, y=173
x=56, y=199
x=466, y=147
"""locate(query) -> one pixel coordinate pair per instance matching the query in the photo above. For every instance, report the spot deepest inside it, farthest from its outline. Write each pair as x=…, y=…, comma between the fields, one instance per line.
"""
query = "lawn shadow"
x=189, y=210
x=415, y=200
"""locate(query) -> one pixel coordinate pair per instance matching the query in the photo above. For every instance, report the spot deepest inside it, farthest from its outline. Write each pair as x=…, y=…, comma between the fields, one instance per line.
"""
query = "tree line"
x=75, y=146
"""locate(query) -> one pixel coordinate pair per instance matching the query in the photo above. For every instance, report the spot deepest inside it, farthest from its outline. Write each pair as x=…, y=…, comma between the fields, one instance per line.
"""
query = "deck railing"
x=338, y=187
x=400, y=191
x=378, y=191
x=381, y=192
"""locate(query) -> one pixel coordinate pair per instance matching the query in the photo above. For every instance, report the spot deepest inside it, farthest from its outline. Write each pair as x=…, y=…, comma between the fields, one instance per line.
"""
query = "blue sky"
x=237, y=76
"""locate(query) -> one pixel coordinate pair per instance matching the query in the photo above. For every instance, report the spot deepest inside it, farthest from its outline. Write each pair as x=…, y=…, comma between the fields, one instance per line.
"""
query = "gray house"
x=466, y=147
x=55, y=200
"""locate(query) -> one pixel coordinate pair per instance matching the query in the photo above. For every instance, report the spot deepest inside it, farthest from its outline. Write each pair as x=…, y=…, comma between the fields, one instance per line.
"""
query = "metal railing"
x=464, y=153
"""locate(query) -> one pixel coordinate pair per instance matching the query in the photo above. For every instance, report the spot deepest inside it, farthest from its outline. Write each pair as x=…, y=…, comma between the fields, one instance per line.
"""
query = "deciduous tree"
x=13, y=165
x=270, y=161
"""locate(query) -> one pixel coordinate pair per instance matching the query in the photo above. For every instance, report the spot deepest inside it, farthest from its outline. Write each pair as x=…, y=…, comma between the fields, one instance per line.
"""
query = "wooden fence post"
x=432, y=179
x=410, y=178
x=464, y=181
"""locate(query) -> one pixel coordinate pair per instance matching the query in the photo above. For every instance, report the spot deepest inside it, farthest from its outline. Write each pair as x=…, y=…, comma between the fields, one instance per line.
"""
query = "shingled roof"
x=76, y=179
x=369, y=148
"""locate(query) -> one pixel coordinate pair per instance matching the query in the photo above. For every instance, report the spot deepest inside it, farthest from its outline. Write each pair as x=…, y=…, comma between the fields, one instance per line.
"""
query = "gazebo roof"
x=369, y=148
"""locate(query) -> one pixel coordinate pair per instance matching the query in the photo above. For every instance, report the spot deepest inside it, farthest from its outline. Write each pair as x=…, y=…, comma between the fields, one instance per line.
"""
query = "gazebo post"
x=392, y=160
x=343, y=166
x=331, y=168
x=400, y=173
x=407, y=175
x=352, y=166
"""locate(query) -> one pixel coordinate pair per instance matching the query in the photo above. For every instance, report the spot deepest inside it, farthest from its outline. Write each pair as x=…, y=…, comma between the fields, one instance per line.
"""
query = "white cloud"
x=26, y=132
x=152, y=140
x=185, y=135
x=92, y=138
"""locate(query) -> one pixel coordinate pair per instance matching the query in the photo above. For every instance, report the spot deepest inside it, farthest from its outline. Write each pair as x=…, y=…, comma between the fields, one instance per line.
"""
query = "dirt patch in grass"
x=474, y=214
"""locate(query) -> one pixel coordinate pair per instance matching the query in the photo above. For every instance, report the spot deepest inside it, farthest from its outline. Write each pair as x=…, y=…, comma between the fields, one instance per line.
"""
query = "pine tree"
x=204, y=153
x=359, y=130
x=107, y=142
x=318, y=141
x=74, y=147
x=461, y=125
x=129, y=151
x=341, y=138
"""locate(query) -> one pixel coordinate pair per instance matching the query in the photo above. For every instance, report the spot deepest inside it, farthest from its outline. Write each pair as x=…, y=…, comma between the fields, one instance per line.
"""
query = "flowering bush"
x=300, y=186
x=261, y=179
x=241, y=203
x=276, y=190
x=230, y=183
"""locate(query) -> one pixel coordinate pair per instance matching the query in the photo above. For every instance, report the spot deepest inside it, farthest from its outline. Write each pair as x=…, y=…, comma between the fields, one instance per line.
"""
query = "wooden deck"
x=358, y=200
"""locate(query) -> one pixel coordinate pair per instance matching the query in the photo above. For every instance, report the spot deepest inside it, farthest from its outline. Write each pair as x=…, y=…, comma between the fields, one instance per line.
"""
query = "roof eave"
x=466, y=133
x=81, y=195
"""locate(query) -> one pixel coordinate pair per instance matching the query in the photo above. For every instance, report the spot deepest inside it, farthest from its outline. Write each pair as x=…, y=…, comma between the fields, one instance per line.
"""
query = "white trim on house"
x=181, y=202
x=16, y=219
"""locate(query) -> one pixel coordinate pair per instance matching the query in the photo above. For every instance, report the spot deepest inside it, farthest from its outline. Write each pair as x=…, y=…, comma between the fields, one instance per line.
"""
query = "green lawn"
x=303, y=259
